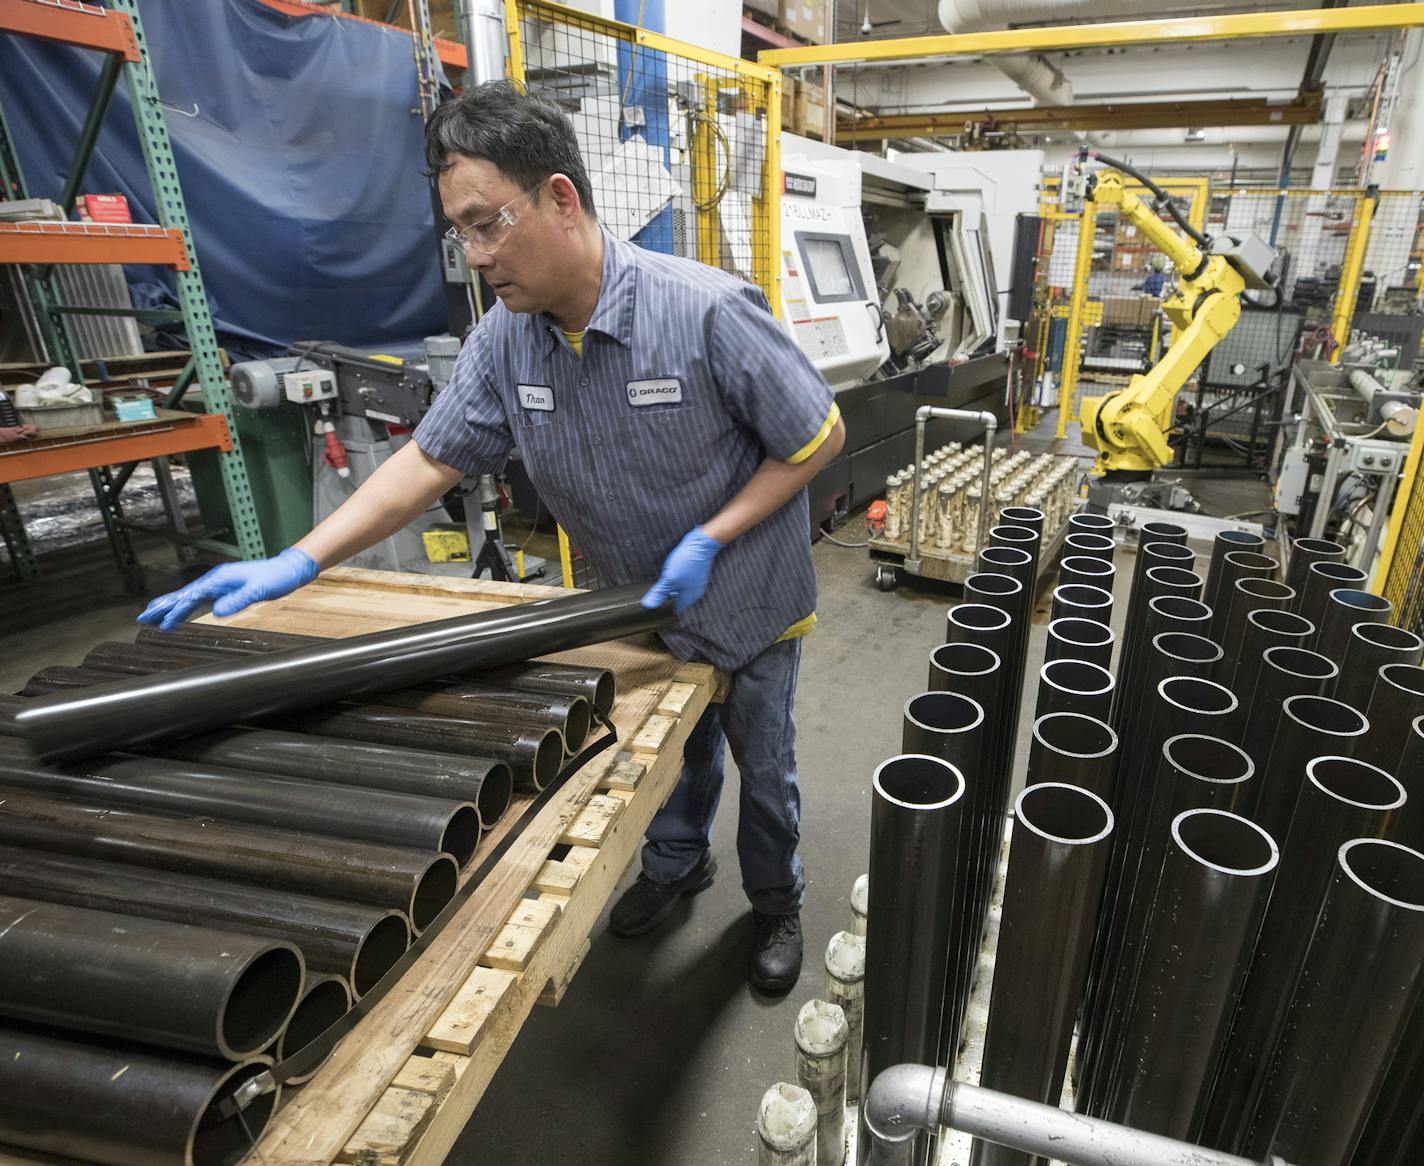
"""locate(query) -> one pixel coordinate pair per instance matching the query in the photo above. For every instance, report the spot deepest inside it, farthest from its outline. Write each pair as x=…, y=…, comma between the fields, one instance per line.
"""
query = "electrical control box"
x=1376, y=457
x=305, y=385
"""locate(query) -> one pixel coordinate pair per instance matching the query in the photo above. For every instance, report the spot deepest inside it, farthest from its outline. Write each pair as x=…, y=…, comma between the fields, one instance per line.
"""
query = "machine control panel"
x=1376, y=457
x=308, y=385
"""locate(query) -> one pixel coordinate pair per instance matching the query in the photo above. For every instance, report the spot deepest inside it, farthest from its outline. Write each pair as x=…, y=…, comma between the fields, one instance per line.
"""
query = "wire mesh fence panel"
x=1402, y=579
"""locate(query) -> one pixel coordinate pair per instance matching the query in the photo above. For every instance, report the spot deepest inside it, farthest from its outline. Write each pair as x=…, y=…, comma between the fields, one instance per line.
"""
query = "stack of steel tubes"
x=201, y=909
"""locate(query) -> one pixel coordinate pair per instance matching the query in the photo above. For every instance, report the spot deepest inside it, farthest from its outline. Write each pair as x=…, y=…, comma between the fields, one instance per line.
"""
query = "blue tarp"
x=299, y=149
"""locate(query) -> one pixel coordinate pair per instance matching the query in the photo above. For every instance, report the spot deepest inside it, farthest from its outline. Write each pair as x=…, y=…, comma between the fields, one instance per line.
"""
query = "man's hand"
x=234, y=586
x=685, y=572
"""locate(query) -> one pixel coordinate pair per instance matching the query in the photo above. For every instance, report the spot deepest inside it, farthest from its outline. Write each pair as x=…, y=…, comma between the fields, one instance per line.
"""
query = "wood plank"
x=650, y=738
x=514, y=945
x=392, y=1126
x=461, y=1025
x=593, y=822
x=675, y=699
x=553, y=994
x=557, y=876
x=627, y=771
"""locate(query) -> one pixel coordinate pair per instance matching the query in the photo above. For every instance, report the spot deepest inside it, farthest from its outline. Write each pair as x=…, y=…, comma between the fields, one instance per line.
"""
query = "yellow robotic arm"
x=1129, y=428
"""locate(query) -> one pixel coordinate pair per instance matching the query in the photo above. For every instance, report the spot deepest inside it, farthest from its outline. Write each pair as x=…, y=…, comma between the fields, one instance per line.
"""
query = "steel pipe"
x=324, y=1000
x=65, y=726
x=1022, y=538
x=1284, y=672
x=1225, y=542
x=1057, y=863
x=1266, y=628
x=1215, y=883
x=1085, y=522
x=1304, y=552
x=1341, y=798
x=215, y=993
x=1397, y=699
x=1007, y=595
x=1087, y=570
x=1344, y=608
x=978, y=622
x=1075, y=749
x=1321, y=578
x=1074, y=638
x=352, y=940
x=1408, y=827
x=1074, y=686
x=1249, y=593
x=124, y=1106
x=1149, y=555
x=1082, y=602
x=1161, y=532
x=1027, y=516
x=1236, y=565
x=1368, y=648
x=965, y=668
x=237, y=796
x=1310, y=727
x=1097, y=546
x=415, y=882
x=1358, y=983
x=595, y=685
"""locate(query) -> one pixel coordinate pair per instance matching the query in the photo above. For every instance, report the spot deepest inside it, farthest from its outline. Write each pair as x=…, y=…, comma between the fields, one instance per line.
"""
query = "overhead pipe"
x=1074, y=686
x=1074, y=749
x=1358, y=983
x=133, y=711
x=1249, y=593
x=915, y=808
x=1057, y=863
x=1075, y=638
x=1397, y=699
x=1082, y=602
x=1344, y=608
x=1235, y=565
x=1284, y=672
x=418, y=883
x=237, y=796
x=1310, y=727
x=1216, y=879
x=1322, y=577
x=1093, y=546
x=1341, y=798
x=1088, y=570
x=1304, y=552
x=1225, y=542
x=1266, y=628
x=359, y=942
x=1369, y=647
x=325, y=999
x=123, y=1105
x=193, y=989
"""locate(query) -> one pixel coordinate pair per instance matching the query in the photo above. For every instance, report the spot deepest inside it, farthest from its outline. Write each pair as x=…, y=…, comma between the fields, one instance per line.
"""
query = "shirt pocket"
x=669, y=445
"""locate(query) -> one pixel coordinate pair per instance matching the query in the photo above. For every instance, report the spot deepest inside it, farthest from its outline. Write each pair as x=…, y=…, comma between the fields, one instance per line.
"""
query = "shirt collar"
x=613, y=314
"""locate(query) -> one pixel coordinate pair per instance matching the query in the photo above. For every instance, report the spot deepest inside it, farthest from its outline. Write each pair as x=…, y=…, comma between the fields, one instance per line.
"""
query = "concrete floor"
x=659, y=1052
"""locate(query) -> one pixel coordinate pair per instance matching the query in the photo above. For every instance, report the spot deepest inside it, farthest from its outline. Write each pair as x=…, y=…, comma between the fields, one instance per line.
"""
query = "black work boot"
x=776, y=953
x=646, y=903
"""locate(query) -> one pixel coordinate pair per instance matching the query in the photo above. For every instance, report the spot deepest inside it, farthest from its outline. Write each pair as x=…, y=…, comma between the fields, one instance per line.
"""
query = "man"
x=1156, y=277
x=671, y=426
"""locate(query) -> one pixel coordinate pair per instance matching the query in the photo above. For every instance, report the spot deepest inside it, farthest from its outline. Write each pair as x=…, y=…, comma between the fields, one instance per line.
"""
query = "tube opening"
x=577, y=724
x=604, y=692
x=437, y=886
x=1407, y=677
x=325, y=1002
x=1006, y=556
x=989, y=583
x=1084, y=633
x=1014, y=534
x=1208, y=758
x=965, y=659
x=1168, y=530
x=1317, y=546
x=1179, y=607
x=1341, y=573
x=1387, y=636
x=1077, y=676
x=1242, y=538
x=918, y=782
x=1063, y=813
x=220, y=1138
x=1225, y=842
x=1187, y=646
x=1324, y=715
x=943, y=712
x=1174, y=577
x=1386, y=870
x=1300, y=662
x=1168, y=553
x=548, y=756
x=1083, y=595
x=1280, y=623
x=1022, y=514
x=1085, y=541
x=1075, y=734
x=1355, y=782
x=1361, y=600
x=1085, y=521
x=462, y=833
x=1262, y=588
x=260, y=999
x=1088, y=565
x=979, y=617
x=1251, y=560
x=496, y=788
x=1197, y=695
x=384, y=944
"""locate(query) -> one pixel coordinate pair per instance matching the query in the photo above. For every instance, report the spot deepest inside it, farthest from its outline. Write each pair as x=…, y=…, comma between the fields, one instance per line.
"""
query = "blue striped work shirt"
x=686, y=384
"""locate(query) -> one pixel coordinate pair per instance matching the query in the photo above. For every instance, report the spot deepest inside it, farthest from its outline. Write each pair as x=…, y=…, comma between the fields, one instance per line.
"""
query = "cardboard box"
x=766, y=12
x=103, y=208
x=803, y=108
x=1130, y=311
x=808, y=19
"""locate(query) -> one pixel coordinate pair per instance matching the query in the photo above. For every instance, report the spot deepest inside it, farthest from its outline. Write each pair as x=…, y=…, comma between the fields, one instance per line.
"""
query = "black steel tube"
x=1341, y=798
x=1057, y=863
x=1397, y=698
x=134, y=711
x=1304, y=552
x=1161, y=532
x=1394, y=1133
x=1408, y=826
x=1358, y=982
x=415, y=882
x=1074, y=686
x=1097, y=546
x=1086, y=569
x=1249, y=593
x=1215, y=882
x=1088, y=523
x=965, y=668
x=324, y=1000
x=234, y=795
x=915, y=808
x=595, y=685
x=1309, y=727
x=124, y=1106
x=1369, y=648
x=1149, y=555
x=355, y=941
x=1007, y=594
x=1266, y=628
x=1028, y=516
x=1285, y=672
x=1074, y=638
x=1344, y=608
x=1075, y=749
x=1235, y=565
x=1321, y=578
x=216, y=993
x=1082, y=602
x=1226, y=541
x=224, y=639
x=1022, y=538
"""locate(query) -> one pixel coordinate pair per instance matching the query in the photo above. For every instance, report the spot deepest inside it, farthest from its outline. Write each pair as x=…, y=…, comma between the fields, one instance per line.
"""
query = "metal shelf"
x=50, y=242
x=66, y=451
x=69, y=22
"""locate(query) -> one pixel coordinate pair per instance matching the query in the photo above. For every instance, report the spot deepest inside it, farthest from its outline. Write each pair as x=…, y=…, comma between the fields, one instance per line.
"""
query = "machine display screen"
x=829, y=262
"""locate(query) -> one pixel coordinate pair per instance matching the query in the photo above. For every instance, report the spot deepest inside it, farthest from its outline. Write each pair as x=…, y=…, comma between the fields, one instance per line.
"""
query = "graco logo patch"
x=662, y=391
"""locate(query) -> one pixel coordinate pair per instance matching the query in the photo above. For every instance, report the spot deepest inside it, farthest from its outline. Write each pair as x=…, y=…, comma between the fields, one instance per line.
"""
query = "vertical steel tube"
x=1206, y=912
x=1087, y=570
x=965, y=668
x=1021, y=538
x=1073, y=638
x=1082, y=602
x=1161, y=532
x=915, y=806
x=1344, y=608
x=1370, y=647
x=1057, y=863
x=1249, y=593
x=1304, y=552
x=1310, y=727
x=1074, y=749
x=1225, y=542
x=1358, y=983
x=1160, y=569
x=1028, y=516
x=1097, y=546
x=1284, y=672
x=1266, y=628
x=1408, y=826
x=1321, y=578
x=1235, y=565
x=1085, y=522
x=1341, y=798
x=1397, y=698
x=1074, y=686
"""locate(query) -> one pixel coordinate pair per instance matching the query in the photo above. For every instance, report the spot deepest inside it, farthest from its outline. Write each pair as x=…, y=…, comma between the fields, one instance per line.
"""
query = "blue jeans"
x=756, y=720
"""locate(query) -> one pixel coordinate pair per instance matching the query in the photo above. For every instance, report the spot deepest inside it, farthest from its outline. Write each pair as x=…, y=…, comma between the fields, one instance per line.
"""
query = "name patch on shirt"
x=540, y=397
x=662, y=391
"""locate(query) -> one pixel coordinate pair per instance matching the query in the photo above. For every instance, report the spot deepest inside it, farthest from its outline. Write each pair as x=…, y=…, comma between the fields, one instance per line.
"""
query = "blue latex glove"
x=234, y=586
x=685, y=572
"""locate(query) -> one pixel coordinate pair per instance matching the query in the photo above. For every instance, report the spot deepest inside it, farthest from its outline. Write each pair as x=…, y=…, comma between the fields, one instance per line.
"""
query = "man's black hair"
x=526, y=135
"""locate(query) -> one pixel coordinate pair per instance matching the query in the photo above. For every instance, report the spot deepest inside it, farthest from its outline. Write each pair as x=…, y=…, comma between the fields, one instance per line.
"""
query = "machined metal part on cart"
x=138, y=710
x=1368, y=648
x=908, y=1098
x=1074, y=686
x=991, y=428
x=1075, y=638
